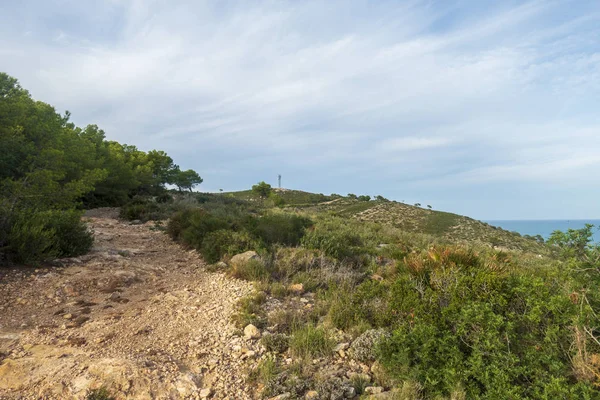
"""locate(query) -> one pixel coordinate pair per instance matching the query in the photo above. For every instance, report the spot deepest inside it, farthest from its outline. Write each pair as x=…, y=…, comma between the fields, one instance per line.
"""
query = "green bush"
x=72, y=236
x=276, y=342
x=334, y=240
x=99, y=394
x=223, y=242
x=141, y=209
x=309, y=342
x=253, y=270
x=284, y=229
x=462, y=322
x=38, y=236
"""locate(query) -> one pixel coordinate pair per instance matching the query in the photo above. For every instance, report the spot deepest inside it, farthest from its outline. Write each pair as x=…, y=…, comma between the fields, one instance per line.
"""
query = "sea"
x=547, y=226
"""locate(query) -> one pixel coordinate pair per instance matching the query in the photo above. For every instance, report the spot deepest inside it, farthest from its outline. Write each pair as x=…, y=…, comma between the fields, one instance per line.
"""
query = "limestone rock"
x=251, y=332
x=370, y=390
x=243, y=258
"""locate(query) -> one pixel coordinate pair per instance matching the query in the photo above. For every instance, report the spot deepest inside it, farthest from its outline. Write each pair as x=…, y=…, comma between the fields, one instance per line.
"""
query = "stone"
x=283, y=396
x=243, y=258
x=341, y=346
x=68, y=316
x=251, y=332
x=370, y=390
x=311, y=395
x=296, y=288
x=376, y=277
x=350, y=392
x=205, y=393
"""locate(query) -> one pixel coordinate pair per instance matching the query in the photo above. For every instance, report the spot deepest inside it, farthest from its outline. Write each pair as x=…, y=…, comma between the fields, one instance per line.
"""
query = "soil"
x=139, y=315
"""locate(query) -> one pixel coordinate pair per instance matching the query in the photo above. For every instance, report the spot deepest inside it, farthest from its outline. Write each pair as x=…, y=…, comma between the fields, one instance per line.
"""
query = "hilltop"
x=411, y=219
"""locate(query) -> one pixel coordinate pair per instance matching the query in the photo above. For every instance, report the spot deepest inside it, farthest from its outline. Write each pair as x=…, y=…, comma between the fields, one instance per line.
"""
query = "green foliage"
x=309, y=342
x=99, y=394
x=496, y=332
x=440, y=222
x=45, y=235
x=142, y=209
x=334, y=239
x=277, y=342
x=352, y=196
x=364, y=197
x=49, y=167
x=186, y=180
x=285, y=229
x=574, y=243
x=262, y=189
x=223, y=242
x=253, y=270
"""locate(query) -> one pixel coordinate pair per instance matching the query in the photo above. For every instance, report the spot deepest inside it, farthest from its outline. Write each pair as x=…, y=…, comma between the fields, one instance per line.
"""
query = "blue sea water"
x=546, y=227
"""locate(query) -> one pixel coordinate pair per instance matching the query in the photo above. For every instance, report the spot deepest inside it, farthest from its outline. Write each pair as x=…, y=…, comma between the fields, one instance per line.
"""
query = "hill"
x=448, y=226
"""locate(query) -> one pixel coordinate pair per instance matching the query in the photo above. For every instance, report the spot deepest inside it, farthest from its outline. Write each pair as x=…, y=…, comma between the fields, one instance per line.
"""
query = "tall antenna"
x=279, y=176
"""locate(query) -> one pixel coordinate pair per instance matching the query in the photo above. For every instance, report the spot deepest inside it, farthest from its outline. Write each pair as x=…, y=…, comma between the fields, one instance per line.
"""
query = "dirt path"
x=139, y=315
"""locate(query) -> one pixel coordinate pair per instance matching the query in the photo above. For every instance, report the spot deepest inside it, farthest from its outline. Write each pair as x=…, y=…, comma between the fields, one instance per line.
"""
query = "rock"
x=296, y=288
x=341, y=346
x=284, y=396
x=359, y=377
x=186, y=385
x=205, y=393
x=373, y=390
x=68, y=316
x=241, y=259
x=376, y=277
x=311, y=395
x=221, y=265
x=251, y=332
x=350, y=393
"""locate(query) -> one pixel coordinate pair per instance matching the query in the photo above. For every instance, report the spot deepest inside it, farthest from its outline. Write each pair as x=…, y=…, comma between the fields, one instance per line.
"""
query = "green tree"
x=262, y=189
x=186, y=180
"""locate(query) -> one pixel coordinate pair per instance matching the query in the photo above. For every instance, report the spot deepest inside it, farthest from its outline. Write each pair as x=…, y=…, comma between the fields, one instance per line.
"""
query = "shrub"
x=99, y=394
x=39, y=236
x=72, y=236
x=310, y=342
x=285, y=229
x=249, y=311
x=495, y=332
x=364, y=348
x=225, y=242
x=252, y=270
x=29, y=239
x=276, y=342
x=334, y=241
x=164, y=198
x=192, y=226
x=141, y=209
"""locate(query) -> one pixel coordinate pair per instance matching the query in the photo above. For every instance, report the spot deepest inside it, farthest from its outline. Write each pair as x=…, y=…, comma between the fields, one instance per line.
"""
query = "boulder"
x=251, y=332
x=241, y=259
x=372, y=390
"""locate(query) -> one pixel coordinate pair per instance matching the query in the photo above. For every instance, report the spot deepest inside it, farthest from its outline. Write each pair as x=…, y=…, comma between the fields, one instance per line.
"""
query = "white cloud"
x=495, y=95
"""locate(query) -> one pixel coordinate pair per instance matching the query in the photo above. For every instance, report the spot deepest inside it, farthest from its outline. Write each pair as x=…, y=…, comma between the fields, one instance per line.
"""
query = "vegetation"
x=50, y=170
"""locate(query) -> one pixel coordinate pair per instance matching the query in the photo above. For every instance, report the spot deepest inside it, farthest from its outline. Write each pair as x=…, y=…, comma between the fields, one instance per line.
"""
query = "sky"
x=484, y=108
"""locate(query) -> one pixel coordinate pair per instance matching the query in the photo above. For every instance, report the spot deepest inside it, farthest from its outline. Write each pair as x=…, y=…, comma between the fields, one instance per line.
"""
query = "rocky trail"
x=139, y=315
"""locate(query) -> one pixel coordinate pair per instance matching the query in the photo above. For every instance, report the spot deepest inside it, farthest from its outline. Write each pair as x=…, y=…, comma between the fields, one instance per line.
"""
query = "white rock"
x=251, y=332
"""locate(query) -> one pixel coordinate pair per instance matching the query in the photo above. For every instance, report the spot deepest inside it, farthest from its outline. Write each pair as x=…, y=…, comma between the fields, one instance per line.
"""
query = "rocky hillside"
x=444, y=225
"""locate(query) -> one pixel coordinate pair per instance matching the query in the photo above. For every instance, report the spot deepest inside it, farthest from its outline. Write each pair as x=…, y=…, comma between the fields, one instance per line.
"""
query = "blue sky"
x=487, y=109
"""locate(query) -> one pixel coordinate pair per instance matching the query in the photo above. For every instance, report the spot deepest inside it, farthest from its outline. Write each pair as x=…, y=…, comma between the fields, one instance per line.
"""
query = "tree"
x=380, y=198
x=364, y=197
x=262, y=189
x=352, y=196
x=186, y=180
x=417, y=204
x=428, y=206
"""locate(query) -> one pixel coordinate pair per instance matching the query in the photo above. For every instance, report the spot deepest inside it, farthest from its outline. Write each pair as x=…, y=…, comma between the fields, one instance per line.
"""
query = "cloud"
x=402, y=91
